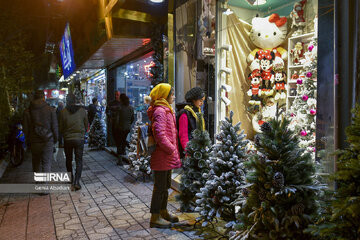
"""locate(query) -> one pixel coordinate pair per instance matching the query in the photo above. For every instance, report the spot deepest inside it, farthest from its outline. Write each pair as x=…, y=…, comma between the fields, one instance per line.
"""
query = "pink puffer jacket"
x=166, y=155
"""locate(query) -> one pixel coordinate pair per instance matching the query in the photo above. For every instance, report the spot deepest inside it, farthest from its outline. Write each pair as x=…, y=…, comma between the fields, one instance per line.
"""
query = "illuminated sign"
x=148, y=67
x=67, y=53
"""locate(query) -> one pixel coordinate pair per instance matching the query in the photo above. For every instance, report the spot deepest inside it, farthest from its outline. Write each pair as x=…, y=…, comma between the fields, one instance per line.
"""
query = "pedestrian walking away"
x=124, y=117
x=73, y=126
x=165, y=156
x=41, y=131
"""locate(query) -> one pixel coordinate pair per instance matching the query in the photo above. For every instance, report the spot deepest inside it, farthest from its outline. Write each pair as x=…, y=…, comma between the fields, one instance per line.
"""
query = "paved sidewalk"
x=110, y=205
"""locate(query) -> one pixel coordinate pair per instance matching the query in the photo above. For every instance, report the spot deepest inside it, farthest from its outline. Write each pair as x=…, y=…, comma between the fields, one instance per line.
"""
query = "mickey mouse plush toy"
x=254, y=91
x=280, y=85
x=266, y=58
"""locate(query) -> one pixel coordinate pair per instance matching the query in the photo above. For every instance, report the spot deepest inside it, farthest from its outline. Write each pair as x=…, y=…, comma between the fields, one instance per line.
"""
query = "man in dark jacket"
x=92, y=110
x=123, y=120
x=73, y=126
x=41, y=131
x=111, y=110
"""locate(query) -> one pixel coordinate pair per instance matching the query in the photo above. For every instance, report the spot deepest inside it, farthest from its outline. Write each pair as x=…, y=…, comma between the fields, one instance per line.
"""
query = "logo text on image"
x=52, y=177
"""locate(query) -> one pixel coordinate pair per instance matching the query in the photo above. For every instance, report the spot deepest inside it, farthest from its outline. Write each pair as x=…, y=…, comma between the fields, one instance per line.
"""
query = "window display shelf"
x=296, y=66
x=304, y=39
x=292, y=81
x=301, y=37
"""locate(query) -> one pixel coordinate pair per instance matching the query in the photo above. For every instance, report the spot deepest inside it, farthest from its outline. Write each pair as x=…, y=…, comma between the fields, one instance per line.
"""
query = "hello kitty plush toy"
x=255, y=91
x=267, y=34
x=280, y=85
x=267, y=74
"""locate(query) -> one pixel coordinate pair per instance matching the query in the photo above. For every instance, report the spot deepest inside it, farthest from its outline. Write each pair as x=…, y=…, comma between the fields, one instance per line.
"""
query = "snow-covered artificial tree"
x=97, y=133
x=280, y=195
x=195, y=167
x=226, y=174
x=303, y=110
x=138, y=162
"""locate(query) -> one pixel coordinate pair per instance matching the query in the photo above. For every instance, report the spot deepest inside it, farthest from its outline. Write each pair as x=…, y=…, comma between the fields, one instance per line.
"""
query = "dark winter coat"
x=124, y=118
x=91, y=112
x=111, y=109
x=42, y=113
x=73, y=122
x=166, y=154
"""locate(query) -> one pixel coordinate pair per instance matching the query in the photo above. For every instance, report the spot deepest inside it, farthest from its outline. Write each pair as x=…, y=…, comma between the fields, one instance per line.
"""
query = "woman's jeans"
x=76, y=146
x=162, y=183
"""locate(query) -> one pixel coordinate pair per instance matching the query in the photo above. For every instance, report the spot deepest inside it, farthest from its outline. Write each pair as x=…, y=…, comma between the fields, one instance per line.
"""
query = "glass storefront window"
x=133, y=79
x=96, y=87
x=296, y=61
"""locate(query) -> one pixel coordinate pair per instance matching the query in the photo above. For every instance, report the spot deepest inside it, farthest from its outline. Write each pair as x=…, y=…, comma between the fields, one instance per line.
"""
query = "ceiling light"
x=156, y=1
x=256, y=2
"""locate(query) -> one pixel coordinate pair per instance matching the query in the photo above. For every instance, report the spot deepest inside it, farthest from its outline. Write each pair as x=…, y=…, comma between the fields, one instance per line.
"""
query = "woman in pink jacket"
x=195, y=98
x=166, y=155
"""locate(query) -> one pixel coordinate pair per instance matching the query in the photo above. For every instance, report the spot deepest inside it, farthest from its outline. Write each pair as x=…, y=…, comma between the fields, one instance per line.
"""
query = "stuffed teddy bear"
x=297, y=53
x=267, y=74
x=255, y=91
x=280, y=85
x=267, y=34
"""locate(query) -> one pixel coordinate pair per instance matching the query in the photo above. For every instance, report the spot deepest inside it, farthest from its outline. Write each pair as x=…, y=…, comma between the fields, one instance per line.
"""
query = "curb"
x=3, y=165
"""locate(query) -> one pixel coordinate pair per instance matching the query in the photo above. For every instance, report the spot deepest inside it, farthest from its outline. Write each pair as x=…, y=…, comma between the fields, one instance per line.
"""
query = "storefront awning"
x=113, y=50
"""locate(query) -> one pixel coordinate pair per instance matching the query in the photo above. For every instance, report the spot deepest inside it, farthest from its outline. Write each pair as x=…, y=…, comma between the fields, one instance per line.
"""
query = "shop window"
x=134, y=80
x=267, y=66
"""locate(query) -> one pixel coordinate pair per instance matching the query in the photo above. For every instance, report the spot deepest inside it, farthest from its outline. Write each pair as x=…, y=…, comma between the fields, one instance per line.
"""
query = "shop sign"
x=67, y=53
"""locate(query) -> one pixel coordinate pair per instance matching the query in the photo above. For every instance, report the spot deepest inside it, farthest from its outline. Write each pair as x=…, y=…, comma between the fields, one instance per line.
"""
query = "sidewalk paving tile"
x=112, y=204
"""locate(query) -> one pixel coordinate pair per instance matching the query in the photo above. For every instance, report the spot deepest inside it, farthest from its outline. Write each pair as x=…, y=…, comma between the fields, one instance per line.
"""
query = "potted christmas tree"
x=195, y=167
x=226, y=174
x=342, y=213
x=280, y=196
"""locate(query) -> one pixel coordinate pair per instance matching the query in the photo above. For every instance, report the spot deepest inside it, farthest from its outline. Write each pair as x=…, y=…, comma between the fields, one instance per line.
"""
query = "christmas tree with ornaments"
x=280, y=196
x=226, y=174
x=139, y=163
x=195, y=167
x=303, y=110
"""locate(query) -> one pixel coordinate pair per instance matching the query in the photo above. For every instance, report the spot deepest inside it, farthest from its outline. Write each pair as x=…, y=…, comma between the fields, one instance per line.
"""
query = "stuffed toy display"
x=268, y=112
x=297, y=53
x=280, y=85
x=266, y=59
x=297, y=17
x=267, y=34
x=255, y=91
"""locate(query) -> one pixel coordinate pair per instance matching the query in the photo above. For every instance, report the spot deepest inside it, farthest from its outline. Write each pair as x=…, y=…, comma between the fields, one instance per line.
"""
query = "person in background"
x=111, y=110
x=41, y=131
x=187, y=117
x=58, y=110
x=165, y=156
x=73, y=126
x=124, y=118
x=92, y=110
